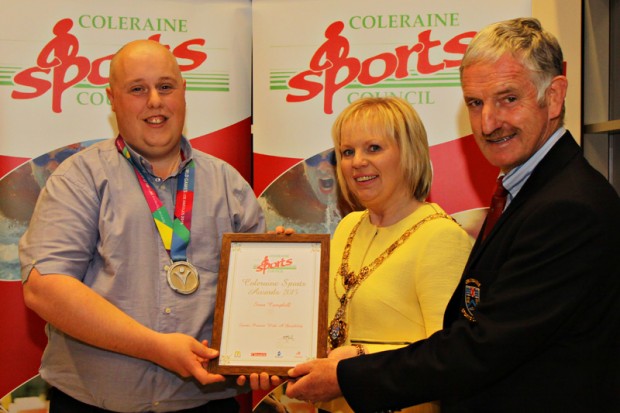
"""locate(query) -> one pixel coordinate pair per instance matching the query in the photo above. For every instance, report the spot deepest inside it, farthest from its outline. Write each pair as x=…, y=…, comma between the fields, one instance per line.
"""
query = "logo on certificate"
x=275, y=263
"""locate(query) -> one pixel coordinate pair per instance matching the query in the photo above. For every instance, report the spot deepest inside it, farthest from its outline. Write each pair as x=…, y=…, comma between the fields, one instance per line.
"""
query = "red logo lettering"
x=59, y=66
x=331, y=68
x=269, y=265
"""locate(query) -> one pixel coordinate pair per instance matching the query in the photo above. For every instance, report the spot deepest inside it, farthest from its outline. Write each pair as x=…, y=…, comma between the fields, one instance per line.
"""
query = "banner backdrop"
x=311, y=59
x=314, y=57
x=54, y=61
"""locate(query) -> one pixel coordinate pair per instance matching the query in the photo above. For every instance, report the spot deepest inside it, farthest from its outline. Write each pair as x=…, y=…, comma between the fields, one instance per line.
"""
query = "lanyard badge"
x=175, y=234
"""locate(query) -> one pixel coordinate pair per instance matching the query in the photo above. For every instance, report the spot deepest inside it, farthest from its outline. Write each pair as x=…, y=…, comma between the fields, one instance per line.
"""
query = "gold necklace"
x=338, y=329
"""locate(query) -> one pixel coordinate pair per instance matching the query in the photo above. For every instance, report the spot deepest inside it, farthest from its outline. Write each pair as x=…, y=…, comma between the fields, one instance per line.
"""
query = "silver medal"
x=183, y=277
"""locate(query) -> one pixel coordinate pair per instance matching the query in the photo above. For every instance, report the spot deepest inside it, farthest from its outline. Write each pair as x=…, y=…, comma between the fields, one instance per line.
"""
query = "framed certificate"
x=271, y=306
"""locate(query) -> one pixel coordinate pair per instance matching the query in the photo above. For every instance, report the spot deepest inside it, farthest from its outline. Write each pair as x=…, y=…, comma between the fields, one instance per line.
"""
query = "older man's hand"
x=314, y=381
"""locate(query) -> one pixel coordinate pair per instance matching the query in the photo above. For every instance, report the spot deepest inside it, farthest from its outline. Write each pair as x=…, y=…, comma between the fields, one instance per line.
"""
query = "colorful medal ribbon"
x=175, y=235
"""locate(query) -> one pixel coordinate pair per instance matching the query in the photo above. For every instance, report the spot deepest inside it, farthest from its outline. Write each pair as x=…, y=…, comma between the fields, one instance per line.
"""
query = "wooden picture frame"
x=271, y=305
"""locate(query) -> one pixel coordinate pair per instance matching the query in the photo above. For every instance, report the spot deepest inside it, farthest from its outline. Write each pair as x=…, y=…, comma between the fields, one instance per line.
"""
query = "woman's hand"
x=281, y=230
x=345, y=352
x=260, y=381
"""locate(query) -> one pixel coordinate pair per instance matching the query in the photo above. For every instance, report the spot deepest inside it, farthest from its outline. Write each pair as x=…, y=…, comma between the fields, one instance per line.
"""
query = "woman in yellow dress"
x=394, y=265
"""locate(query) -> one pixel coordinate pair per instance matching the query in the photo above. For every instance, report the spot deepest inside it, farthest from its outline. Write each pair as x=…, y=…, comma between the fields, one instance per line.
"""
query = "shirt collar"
x=146, y=166
x=516, y=178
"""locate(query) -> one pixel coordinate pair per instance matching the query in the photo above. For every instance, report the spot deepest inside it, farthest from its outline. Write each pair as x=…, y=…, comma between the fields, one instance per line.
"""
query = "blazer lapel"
x=562, y=152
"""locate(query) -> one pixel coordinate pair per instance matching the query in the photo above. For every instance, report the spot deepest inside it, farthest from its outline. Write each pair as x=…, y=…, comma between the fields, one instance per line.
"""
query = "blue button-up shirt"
x=92, y=222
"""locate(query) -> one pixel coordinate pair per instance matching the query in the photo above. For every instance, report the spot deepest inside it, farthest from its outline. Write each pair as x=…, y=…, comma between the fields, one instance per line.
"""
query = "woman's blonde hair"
x=398, y=121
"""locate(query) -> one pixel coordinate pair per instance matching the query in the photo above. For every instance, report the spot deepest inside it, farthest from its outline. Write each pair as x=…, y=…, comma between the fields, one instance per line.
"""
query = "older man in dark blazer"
x=535, y=323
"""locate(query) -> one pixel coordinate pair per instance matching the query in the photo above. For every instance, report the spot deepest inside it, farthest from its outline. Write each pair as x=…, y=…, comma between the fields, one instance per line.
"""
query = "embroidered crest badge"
x=472, y=298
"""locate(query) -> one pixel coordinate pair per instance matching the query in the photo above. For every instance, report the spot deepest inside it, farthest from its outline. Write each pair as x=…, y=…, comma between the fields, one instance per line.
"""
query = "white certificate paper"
x=270, y=312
